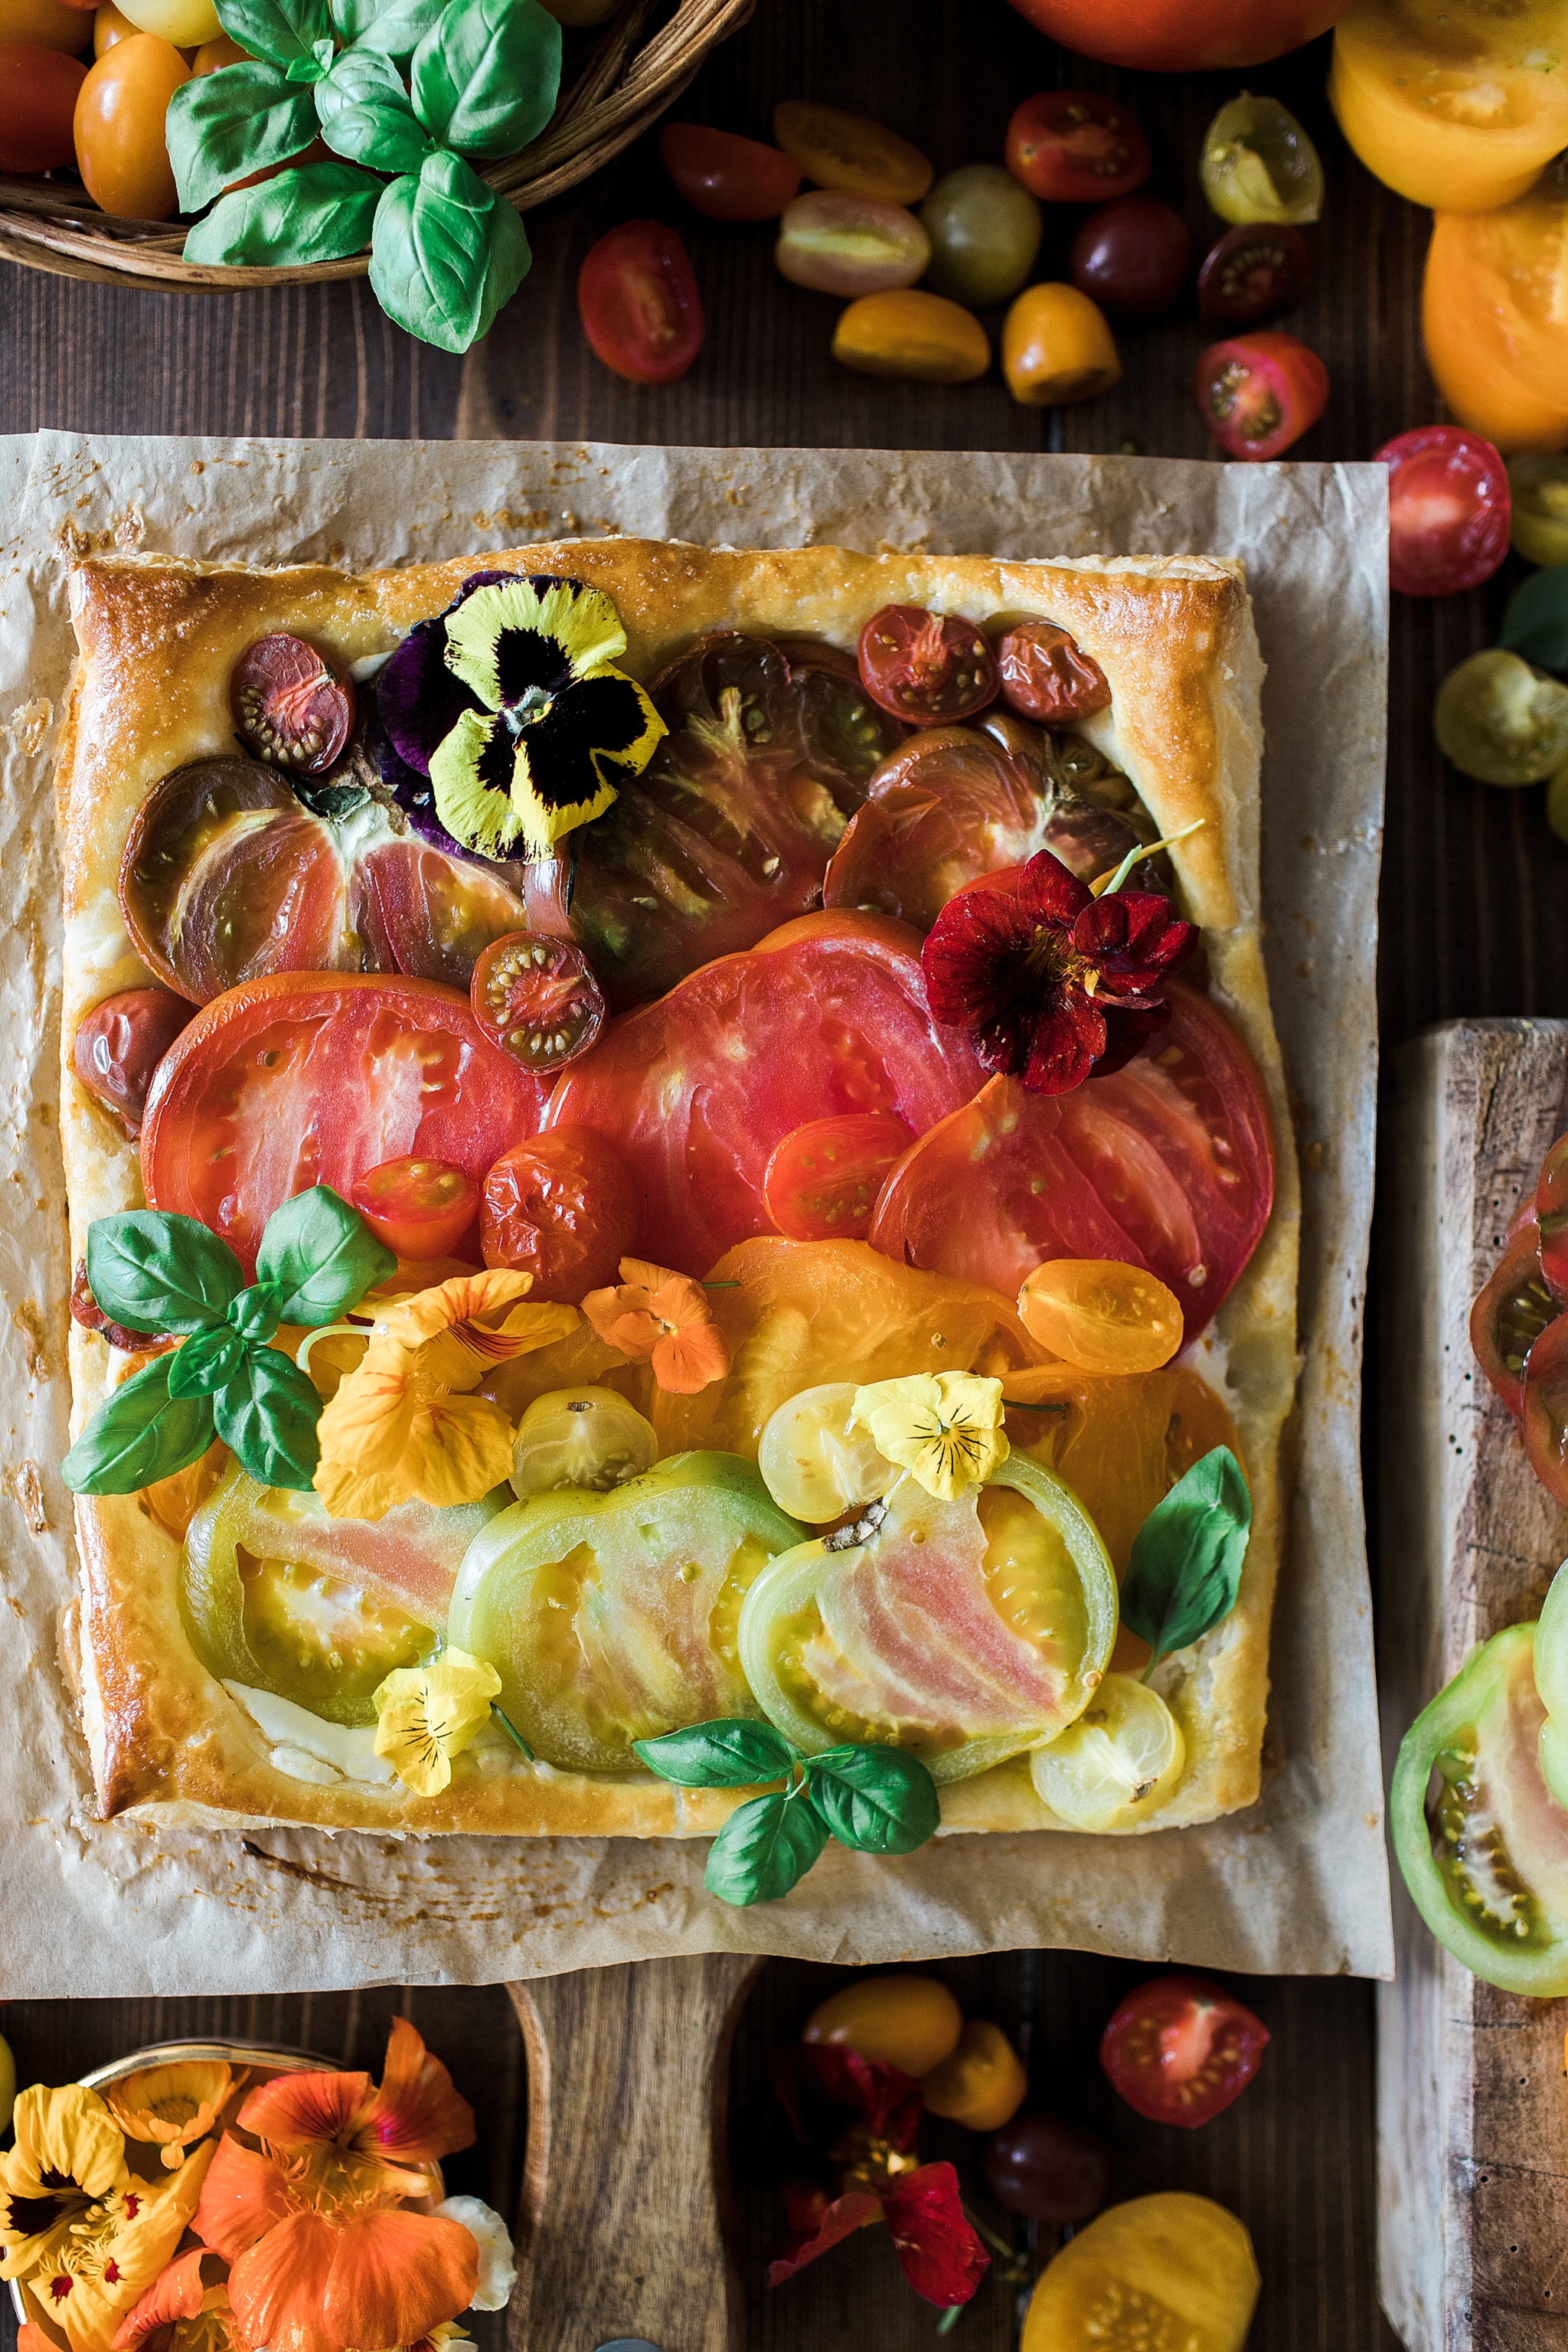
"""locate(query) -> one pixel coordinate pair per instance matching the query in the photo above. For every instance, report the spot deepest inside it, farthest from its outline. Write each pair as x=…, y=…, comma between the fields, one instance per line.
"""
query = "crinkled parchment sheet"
x=1296, y=1884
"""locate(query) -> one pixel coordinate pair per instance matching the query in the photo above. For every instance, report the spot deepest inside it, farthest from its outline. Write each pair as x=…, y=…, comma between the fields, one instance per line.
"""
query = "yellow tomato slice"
x=1495, y=317
x=1456, y=103
x=1165, y=2274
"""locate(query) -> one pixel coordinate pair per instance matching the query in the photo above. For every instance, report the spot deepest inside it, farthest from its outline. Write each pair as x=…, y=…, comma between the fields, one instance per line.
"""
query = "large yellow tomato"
x=120, y=148
x=1168, y=2270
x=1456, y=103
x=1495, y=317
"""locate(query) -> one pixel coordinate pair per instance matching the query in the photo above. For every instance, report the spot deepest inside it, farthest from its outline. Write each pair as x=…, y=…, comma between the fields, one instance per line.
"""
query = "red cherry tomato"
x=1132, y=258
x=291, y=709
x=1510, y=1315
x=726, y=176
x=537, y=997
x=1258, y=393
x=1252, y=274
x=823, y=1180
x=565, y=1208
x=1448, y=511
x=119, y=1046
x=1550, y=1218
x=1181, y=2049
x=1181, y=36
x=420, y=1208
x=1544, y=1407
x=1075, y=147
x=927, y=670
x=638, y=299
x=1046, y=677
x=39, y=91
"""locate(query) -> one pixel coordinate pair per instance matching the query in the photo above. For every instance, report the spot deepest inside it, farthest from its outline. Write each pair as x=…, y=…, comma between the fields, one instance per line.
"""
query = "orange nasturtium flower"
x=178, y=2314
x=171, y=2106
x=664, y=1317
x=323, y=2253
x=404, y=1422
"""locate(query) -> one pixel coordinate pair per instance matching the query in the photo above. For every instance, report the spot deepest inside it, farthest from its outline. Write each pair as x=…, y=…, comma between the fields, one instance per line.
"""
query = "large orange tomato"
x=1181, y=36
x=1495, y=315
x=1454, y=103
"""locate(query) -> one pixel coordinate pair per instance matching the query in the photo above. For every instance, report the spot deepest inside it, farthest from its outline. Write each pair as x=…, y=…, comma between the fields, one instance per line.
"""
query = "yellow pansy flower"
x=427, y=1714
x=944, y=1428
x=171, y=2106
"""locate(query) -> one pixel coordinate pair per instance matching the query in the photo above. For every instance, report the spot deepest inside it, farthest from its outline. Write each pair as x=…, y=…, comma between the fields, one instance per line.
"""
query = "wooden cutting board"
x=1472, y=2106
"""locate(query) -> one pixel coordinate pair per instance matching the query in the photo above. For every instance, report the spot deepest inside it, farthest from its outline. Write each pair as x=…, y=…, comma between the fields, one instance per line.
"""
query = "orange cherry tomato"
x=418, y=1208
x=38, y=91
x=1101, y=1315
x=912, y=2023
x=43, y=25
x=1495, y=317
x=211, y=56
x=980, y=2083
x=110, y=25
x=911, y=333
x=840, y=150
x=1056, y=348
x=120, y=148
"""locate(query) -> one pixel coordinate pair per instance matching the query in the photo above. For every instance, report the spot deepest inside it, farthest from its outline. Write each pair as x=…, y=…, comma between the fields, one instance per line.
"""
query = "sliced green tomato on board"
x=1551, y=1687
x=1115, y=1765
x=613, y=1617
x=965, y=1632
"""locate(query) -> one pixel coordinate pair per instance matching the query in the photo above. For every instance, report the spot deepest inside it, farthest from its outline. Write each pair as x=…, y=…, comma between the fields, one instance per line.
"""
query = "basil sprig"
x=877, y=1799
x=150, y=1271
x=1185, y=1568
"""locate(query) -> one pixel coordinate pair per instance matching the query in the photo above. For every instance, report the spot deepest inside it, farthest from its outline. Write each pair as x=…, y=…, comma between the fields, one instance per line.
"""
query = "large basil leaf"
x=322, y=212
x=487, y=74
x=1535, y=625
x=396, y=27
x=1186, y=1567
x=763, y=1849
x=220, y=127
x=290, y=32
x=733, y=1752
x=139, y=1434
x=877, y=1799
x=446, y=254
x=150, y=1271
x=267, y=1416
x=320, y=1257
x=365, y=115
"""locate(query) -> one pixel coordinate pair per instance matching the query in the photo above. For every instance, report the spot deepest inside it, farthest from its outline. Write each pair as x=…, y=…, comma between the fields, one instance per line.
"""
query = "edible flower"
x=1052, y=981
x=404, y=1422
x=510, y=701
x=178, y=2314
x=171, y=2106
x=427, y=1714
x=664, y=1317
x=944, y=1428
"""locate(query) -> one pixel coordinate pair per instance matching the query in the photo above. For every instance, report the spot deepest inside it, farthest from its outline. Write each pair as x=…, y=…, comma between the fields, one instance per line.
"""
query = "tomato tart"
x=682, y=1195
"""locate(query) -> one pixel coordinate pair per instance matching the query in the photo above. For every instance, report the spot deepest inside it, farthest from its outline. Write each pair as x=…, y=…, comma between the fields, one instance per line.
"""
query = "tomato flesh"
x=638, y=299
x=1181, y=2050
x=1510, y=1315
x=1252, y=274
x=726, y=176
x=1258, y=393
x=420, y=1208
x=823, y=1180
x=1552, y=1219
x=1076, y=147
x=565, y=1208
x=1448, y=511
x=290, y=706
x=537, y=997
x=928, y=670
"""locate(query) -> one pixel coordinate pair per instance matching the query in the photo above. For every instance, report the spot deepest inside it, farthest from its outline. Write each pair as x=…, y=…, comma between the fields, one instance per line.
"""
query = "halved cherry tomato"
x=1494, y=315
x=1167, y=2269
x=908, y=2022
x=537, y=996
x=638, y=299
x=1259, y=164
x=39, y=91
x=1056, y=348
x=1252, y=274
x=1181, y=36
x=420, y=1208
x=1544, y=1407
x=980, y=2084
x=1044, y=677
x=726, y=176
x=118, y=127
x=1133, y=258
x=1181, y=2049
x=907, y=332
x=837, y=244
x=563, y=1207
x=1076, y=147
x=1552, y=1219
x=1101, y=1315
x=1258, y=393
x=292, y=707
x=1448, y=511
x=823, y=1179
x=119, y=1046
x=1457, y=106
x=840, y=150
x=300, y=1079
x=928, y=670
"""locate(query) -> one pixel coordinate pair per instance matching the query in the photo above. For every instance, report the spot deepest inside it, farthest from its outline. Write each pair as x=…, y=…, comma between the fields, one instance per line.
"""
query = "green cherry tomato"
x=1501, y=721
x=1539, y=485
x=1259, y=164
x=984, y=231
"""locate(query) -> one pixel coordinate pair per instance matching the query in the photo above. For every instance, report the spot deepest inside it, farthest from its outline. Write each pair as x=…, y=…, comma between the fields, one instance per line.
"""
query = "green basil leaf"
x=1185, y=1568
x=222, y=126
x=287, y=31
x=206, y=1363
x=322, y=212
x=763, y=1849
x=320, y=1257
x=139, y=1434
x=267, y=1416
x=255, y=1313
x=731, y=1752
x=446, y=253
x=395, y=27
x=487, y=74
x=150, y=1271
x=1535, y=625
x=385, y=138
x=877, y=1799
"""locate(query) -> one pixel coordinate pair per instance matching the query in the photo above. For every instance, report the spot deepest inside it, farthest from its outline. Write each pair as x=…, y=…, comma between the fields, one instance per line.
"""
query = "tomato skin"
x=910, y=2023
x=118, y=1047
x=419, y=1209
x=1075, y=147
x=980, y=2083
x=1046, y=677
x=638, y=299
x=1494, y=317
x=43, y=24
x=907, y=332
x=1258, y=393
x=1132, y=257
x=38, y=94
x=726, y=176
x=1048, y=2168
x=927, y=670
x=1181, y=2049
x=563, y=1207
x=837, y=244
x=1448, y=511
x=1552, y=1219
x=1181, y=36
x=1057, y=348
x=118, y=127
x=823, y=1179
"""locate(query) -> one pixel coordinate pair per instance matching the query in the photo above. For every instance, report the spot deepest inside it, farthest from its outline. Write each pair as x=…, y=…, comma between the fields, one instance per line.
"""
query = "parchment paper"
x=1298, y=1884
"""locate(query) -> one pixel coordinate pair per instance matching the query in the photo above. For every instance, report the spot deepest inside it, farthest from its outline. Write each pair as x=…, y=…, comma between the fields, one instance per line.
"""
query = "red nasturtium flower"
x=1052, y=981
x=866, y=2116
x=324, y=2252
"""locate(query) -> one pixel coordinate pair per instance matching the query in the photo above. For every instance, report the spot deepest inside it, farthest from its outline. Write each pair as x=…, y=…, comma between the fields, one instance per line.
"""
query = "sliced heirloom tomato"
x=965, y=1632
x=612, y=1617
x=1166, y=1164
x=826, y=1016
x=304, y=1079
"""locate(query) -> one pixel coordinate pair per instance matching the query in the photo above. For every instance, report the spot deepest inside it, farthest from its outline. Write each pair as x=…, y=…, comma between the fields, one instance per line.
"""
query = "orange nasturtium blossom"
x=664, y=1318
x=171, y=2106
x=178, y=2313
x=404, y=1422
x=323, y=2253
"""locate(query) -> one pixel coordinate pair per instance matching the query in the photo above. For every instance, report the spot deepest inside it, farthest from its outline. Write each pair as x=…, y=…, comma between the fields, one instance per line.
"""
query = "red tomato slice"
x=1544, y=1407
x=1168, y=1163
x=1075, y=147
x=419, y=1209
x=1448, y=511
x=1258, y=393
x=726, y=176
x=302, y=1079
x=826, y=1016
x=927, y=670
x=638, y=299
x=1179, y=2049
x=1510, y=1314
x=823, y=1180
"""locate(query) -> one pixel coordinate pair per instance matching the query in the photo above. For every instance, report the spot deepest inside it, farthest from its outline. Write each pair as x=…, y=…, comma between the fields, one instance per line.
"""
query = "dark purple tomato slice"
x=726, y=176
x=1509, y=1316
x=1048, y=2168
x=1132, y=258
x=1252, y=274
x=1545, y=1408
x=292, y=707
x=822, y=1180
x=537, y=997
x=419, y=1209
x=1044, y=677
x=1552, y=1219
x=638, y=299
x=928, y=670
x=1449, y=509
x=120, y=1045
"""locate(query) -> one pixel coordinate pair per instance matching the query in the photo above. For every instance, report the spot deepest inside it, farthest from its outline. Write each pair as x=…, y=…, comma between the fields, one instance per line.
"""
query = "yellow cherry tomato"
x=183, y=24
x=980, y=2083
x=912, y=2023
x=120, y=149
x=108, y=26
x=1494, y=312
x=44, y=24
x=1168, y=2270
x=911, y=333
x=840, y=150
x=213, y=56
x=1056, y=348
x=1455, y=103
x=7, y=2084
x=1100, y=1315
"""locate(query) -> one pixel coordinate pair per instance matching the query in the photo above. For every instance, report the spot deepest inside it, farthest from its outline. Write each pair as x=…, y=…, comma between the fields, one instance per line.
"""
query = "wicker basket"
x=628, y=78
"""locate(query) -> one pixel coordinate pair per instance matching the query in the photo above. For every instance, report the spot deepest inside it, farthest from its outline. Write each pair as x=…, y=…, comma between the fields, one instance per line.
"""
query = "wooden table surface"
x=1471, y=923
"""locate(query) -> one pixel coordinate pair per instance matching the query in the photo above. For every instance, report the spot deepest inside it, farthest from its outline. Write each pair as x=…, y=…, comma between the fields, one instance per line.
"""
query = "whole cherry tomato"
x=120, y=1045
x=1132, y=258
x=537, y=997
x=184, y=23
x=39, y=93
x=120, y=112
x=1181, y=2049
x=563, y=1207
x=108, y=26
x=823, y=1179
x=849, y=244
x=984, y=230
x=927, y=670
x=1048, y=2168
x=638, y=299
x=1181, y=36
x=1046, y=677
x=726, y=176
x=1056, y=348
x=1454, y=106
x=42, y=25
x=850, y=151
x=909, y=333
x=211, y=56
x=1258, y=393
x=980, y=2084
x=910, y=2023
x=1494, y=313
x=1253, y=274
x=1075, y=147
x=419, y=1209
x=1448, y=511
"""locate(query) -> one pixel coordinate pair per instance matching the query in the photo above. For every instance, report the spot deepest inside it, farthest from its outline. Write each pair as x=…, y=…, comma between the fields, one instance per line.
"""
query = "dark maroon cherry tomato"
x=293, y=710
x=419, y=1209
x=1258, y=393
x=1132, y=258
x=1051, y=2169
x=726, y=176
x=1448, y=510
x=638, y=299
x=39, y=91
x=563, y=1207
x=86, y=1310
x=1074, y=147
x=1252, y=274
x=537, y=996
x=121, y=1043
x=1045, y=676
x=927, y=670
x=1179, y=2049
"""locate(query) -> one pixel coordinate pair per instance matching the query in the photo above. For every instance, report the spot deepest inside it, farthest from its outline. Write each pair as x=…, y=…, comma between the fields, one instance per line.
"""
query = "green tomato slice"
x=613, y=1617
x=965, y=1632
